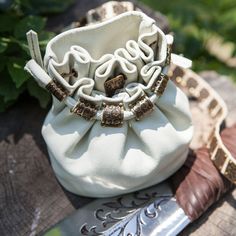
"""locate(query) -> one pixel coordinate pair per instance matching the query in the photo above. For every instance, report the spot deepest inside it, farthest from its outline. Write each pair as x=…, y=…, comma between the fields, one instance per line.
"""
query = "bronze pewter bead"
x=168, y=54
x=57, y=90
x=230, y=172
x=178, y=72
x=73, y=73
x=160, y=84
x=69, y=76
x=85, y=109
x=111, y=85
x=141, y=107
x=212, y=145
x=219, y=158
x=118, y=9
x=113, y=115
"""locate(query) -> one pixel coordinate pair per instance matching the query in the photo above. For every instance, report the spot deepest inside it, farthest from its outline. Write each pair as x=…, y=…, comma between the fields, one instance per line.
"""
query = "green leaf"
x=44, y=37
x=34, y=90
x=8, y=90
x=48, y=6
x=3, y=45
x=7, y=22
x=16, y=70
x=3, y=60
x=4, y=105
x=24, y=46
x=54, y=232
x=35, y=23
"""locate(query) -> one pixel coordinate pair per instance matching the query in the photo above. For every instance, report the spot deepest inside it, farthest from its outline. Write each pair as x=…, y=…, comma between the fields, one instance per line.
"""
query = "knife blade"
x=149, y=212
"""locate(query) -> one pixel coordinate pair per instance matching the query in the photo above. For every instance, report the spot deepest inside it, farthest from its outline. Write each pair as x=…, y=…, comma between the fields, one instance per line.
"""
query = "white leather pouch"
x=117, y=123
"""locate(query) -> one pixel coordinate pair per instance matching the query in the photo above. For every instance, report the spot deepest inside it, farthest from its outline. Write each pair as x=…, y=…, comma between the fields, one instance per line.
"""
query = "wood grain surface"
x=31, y=199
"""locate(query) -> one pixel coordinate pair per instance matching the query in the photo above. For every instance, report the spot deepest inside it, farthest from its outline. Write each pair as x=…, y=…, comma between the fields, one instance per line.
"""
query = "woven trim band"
x=209, y=100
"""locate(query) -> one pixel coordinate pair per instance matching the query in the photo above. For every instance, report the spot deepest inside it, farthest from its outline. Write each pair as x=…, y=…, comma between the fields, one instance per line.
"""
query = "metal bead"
x=113, y=115
x=141, y=107
x=231, y=172
x=160, y=85
x=111, y=85
x=85, y=109
x=57, y=89
x=168, y=54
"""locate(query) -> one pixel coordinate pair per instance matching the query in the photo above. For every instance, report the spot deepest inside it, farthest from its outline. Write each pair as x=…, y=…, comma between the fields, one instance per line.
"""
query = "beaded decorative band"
x=57, y=90
x=160, y=84
x=88, y=110
x=85, y=109
x=141, y=107
x=112, y=115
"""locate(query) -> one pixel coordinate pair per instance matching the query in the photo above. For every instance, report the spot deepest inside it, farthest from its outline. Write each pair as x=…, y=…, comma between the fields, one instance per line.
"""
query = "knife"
x=149, y=212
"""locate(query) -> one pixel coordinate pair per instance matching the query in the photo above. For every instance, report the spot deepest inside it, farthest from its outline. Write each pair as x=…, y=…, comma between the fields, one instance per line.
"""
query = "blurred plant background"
x=16, y=18
x=205, y=31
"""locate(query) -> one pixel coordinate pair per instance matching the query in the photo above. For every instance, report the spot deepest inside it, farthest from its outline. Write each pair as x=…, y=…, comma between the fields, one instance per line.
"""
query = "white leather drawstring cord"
x=33, y=43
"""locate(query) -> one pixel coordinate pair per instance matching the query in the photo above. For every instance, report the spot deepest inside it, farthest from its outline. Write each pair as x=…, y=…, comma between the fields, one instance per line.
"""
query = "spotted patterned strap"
x=209, y=100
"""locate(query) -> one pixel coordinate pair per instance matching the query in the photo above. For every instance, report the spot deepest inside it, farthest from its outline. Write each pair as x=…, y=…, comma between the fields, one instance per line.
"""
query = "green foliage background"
x=194, y=23
x=16, y=18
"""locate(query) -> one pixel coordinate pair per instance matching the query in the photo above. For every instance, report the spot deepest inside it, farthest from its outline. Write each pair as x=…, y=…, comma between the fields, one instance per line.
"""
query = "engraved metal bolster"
x=141, y=107
x=111, y=85
x=57, y=90
x=85, y=109
x=160, y=84
x=113, y=115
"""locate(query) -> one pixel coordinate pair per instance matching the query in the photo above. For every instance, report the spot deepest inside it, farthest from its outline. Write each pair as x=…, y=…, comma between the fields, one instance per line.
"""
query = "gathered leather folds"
x=130, y=127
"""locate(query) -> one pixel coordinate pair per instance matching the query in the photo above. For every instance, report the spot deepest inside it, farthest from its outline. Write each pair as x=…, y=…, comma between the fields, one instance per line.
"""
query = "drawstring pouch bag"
x=117, y=123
